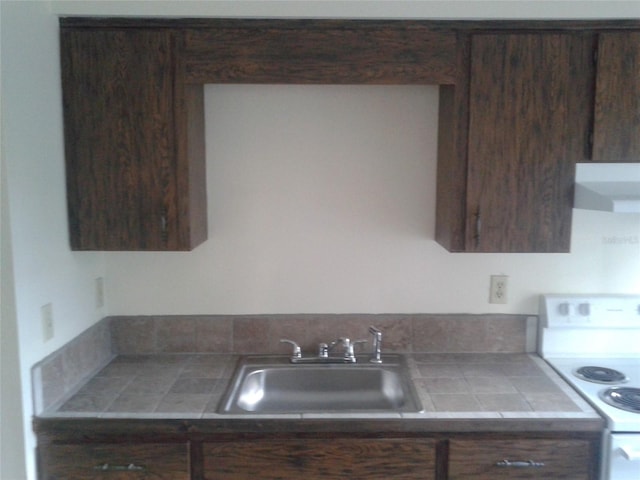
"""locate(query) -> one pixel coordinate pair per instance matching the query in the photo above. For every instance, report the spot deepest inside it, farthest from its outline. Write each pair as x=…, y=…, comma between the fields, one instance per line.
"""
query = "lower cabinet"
x=309, y=459
x=191, y=453
x=122, y=461
x=522, y=459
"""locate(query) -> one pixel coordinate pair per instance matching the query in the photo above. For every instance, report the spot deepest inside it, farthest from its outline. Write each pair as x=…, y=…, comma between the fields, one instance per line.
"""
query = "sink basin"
x=271, y=385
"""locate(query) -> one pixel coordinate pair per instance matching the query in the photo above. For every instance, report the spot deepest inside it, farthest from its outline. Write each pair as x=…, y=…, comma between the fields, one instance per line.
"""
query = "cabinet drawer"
x=509, y=459
x=115, y=462
x=373, y=459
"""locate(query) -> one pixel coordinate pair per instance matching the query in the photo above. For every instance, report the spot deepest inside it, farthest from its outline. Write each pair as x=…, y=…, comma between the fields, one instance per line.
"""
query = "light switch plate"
x=99, y=292
x=46, y=313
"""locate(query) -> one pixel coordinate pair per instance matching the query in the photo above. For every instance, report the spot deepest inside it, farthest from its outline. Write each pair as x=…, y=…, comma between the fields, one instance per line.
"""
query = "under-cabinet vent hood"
x=610, y=187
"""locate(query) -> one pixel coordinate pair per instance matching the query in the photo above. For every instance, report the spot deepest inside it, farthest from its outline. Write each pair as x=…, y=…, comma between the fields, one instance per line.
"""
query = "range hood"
x=610, y=187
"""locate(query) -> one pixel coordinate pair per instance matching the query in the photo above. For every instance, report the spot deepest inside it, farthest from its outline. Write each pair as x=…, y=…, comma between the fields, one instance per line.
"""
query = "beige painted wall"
x=322, y=199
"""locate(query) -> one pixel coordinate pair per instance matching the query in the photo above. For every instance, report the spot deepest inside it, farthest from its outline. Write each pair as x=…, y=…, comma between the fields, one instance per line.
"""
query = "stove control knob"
x=564, y=309
x=584, y=309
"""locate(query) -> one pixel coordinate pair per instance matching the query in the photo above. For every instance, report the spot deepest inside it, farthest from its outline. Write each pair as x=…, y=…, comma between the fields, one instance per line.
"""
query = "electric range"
x=593, y=341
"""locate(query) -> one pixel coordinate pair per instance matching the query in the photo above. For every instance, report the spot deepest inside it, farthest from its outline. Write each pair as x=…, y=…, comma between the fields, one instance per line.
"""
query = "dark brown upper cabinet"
x=134, y=140
x=510, y=135
x=616, y=131
x=520, y=104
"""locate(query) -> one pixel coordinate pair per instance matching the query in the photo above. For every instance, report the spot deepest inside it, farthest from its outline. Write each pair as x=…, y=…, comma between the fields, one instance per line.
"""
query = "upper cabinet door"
x=128, y=180
x=528, y=125
x=616, y=132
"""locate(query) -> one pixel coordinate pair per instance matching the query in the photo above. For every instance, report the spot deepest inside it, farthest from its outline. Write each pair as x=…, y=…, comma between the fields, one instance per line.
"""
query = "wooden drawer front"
x=383, y=459
x=115, y=462
x=482, y=459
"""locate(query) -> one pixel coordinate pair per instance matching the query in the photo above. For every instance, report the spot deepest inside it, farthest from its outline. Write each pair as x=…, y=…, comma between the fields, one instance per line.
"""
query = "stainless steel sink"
x=270, y=385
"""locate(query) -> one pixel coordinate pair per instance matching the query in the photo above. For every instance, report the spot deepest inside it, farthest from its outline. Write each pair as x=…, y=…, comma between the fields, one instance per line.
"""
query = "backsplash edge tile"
x=62, y=372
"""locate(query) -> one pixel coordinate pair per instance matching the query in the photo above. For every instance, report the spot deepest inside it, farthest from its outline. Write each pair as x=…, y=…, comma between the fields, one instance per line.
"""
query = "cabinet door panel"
x=115, y=462
x=119, y=137
x=528, y=125
x=505, y=459
x=616, y=133
x=379, y=459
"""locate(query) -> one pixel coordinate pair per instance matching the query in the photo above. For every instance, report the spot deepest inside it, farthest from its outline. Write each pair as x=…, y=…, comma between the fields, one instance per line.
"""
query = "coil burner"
x=625, y=398
x=607, y=376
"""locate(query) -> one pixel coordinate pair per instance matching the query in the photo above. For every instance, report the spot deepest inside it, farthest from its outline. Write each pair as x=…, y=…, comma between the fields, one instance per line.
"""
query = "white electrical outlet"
x=99, y=292
x=498, y=289
x=46, y=313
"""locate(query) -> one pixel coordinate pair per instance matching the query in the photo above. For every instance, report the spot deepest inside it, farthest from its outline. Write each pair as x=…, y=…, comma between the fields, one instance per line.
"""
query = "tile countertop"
x=483, y=387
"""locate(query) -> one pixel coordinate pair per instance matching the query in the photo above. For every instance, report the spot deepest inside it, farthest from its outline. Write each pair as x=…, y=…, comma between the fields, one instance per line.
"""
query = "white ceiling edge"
x=366, y=9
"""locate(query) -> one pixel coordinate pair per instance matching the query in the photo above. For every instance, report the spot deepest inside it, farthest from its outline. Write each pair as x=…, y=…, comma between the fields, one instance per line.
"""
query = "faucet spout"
x=297, y=351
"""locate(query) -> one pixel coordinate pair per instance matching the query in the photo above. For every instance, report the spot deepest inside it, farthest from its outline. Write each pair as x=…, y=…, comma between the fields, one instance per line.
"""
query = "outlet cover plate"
x=498, y=289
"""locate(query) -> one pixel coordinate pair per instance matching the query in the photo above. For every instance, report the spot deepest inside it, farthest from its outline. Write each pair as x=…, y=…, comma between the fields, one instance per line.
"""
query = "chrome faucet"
x=377, y=343
x=348, y=355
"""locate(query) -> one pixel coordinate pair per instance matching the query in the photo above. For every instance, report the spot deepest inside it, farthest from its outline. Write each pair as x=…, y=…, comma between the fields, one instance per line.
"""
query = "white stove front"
x=598, y=331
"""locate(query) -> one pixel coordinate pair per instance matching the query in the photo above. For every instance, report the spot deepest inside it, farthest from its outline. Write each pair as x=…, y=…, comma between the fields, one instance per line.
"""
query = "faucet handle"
x=297, y=352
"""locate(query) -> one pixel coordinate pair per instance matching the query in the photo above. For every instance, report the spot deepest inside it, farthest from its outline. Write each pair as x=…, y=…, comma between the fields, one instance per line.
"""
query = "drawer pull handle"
x=525, y=464
x=132, y=467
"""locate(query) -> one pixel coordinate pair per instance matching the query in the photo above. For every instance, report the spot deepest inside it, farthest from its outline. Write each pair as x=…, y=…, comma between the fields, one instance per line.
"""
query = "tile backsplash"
x=64, y=371
x=262, y=333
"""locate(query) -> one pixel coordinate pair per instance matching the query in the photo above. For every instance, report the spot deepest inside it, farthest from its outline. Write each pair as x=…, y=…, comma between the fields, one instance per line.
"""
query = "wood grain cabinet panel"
x=138, y=461
x=321, y=52
x=517, y=111
x=616, y=131
x=313, y=449
x=134, y=141
x=519, y=459
x=329, y=459
x=505, y=178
